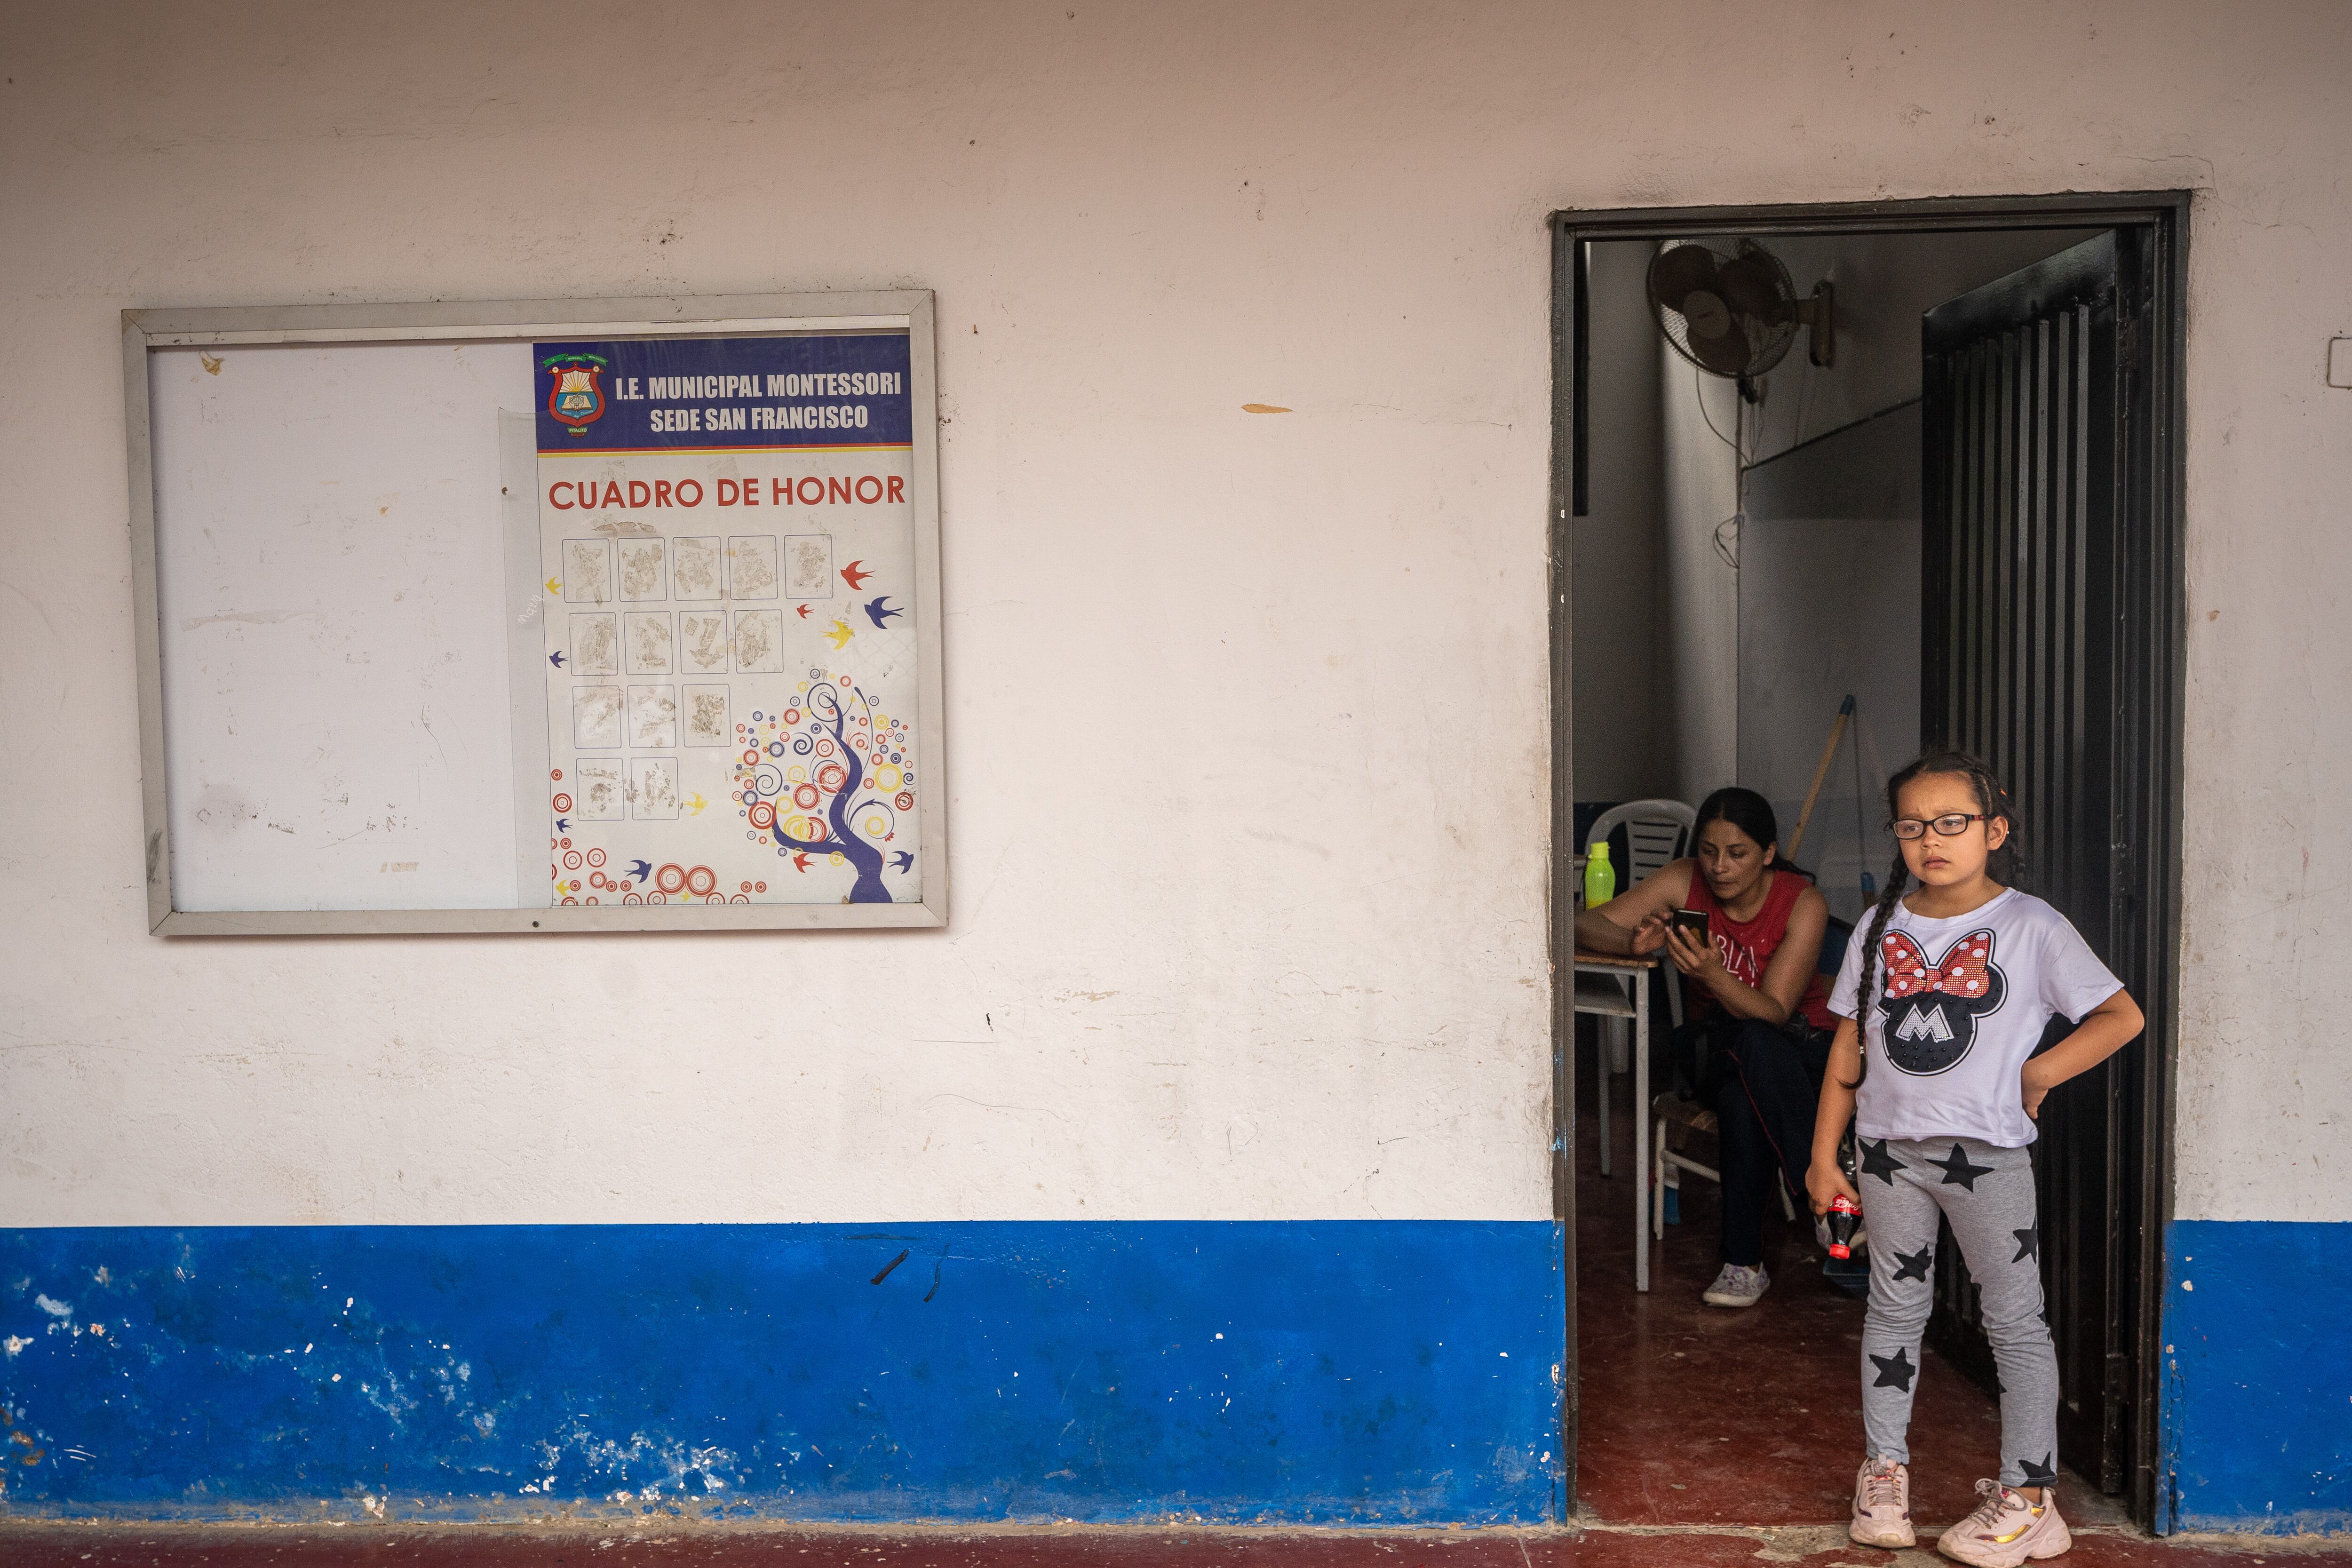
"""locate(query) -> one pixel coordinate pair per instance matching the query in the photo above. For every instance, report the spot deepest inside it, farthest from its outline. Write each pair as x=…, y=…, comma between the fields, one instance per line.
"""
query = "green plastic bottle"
x=1599, y=876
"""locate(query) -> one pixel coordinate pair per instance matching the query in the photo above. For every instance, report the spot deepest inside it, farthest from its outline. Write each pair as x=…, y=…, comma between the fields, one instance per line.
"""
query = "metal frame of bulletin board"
x=709, y=710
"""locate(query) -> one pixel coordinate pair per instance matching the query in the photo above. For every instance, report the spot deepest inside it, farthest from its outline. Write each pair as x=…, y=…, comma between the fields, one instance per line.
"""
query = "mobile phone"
x=1694, y=925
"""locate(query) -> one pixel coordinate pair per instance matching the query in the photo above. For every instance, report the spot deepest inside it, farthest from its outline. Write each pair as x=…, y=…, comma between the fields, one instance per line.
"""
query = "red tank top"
x=1747, y=946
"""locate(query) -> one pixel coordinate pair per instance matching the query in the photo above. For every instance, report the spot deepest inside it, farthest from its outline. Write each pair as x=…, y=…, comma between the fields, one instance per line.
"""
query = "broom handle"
x=1837, y=733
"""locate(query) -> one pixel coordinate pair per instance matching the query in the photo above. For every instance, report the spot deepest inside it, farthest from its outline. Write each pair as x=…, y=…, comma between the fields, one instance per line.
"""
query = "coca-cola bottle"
x=1844, y=1216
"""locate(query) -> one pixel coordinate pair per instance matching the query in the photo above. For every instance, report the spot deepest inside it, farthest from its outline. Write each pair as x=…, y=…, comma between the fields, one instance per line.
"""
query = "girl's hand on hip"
x=2034, y=1088
x=1824, y=1180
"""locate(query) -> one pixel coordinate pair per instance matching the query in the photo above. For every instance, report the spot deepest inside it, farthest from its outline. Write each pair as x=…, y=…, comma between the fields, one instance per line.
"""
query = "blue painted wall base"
x=2257, y=1378
x=1359, y=1373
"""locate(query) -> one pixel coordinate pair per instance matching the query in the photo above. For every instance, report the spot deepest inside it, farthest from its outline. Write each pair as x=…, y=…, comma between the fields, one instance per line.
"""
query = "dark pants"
x=1763, y=1083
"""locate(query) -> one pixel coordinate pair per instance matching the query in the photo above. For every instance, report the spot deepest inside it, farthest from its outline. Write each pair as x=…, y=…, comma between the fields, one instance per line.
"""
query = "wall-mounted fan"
x=1736, y=314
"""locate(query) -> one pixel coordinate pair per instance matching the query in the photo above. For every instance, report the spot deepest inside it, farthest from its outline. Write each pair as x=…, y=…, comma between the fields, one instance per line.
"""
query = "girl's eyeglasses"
x=1950, y=825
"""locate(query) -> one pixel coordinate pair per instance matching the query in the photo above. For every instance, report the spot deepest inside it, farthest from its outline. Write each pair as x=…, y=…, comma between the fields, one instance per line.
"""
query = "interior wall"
x=1700, y=426
x=1883, y=283
x=1829, y=556
x=1624, y=657
x=1829, y=608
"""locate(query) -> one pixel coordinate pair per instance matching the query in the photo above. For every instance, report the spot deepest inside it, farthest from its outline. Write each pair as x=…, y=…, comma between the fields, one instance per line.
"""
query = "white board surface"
x=331, y=585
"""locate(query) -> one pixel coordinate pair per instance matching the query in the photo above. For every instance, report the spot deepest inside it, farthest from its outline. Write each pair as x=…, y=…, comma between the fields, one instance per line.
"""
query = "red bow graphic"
x=1965, y=971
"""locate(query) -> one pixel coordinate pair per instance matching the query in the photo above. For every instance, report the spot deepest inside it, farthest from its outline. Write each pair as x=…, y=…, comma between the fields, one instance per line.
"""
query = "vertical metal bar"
x=1641, y=1120
x=2066, y=525
x=1971, y=730
x=2090, y=833
x=2040, y=766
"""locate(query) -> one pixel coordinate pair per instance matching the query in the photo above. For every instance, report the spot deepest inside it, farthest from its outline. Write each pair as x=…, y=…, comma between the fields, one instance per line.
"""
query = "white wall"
x=1262, y=931
x=1624, y=727
x=1700, y=428
x=1829, y=608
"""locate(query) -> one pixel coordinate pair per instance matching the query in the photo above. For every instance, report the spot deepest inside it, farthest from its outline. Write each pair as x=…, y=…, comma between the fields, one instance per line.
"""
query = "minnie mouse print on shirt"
x=1932, y=1006
x=1961, y=1005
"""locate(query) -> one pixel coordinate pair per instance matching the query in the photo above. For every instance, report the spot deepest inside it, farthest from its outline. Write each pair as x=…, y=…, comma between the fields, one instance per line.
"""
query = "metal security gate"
x=2048, y=591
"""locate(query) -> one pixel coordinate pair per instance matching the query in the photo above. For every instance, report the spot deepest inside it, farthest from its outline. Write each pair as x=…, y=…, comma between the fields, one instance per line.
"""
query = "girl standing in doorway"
x=1758, y=1038
x=1942, y=999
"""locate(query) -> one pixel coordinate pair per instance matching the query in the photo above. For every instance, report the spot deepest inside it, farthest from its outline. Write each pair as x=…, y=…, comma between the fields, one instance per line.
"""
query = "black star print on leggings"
x=1894, y=1370
x=1877, y=1162
x=2029, y=1244
x=1915, y=1264
x=2042, y=1475
x=1957, y=1169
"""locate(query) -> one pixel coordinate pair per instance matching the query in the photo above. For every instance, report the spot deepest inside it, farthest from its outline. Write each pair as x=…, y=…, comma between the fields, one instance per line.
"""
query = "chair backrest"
x=1656, y=831
x=1834, y=944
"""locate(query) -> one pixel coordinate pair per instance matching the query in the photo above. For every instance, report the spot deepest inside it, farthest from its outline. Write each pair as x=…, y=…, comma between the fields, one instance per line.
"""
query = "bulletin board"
x=538, y=616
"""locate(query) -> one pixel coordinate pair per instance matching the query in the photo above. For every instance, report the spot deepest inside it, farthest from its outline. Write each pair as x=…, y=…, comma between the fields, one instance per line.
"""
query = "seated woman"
x=1759, y=1013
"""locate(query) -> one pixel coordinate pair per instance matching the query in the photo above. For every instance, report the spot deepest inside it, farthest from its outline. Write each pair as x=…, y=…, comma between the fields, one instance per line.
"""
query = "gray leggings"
x=1988, y=1194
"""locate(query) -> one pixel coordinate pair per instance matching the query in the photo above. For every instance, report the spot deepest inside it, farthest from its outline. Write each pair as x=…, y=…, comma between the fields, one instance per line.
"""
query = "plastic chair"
x=1657, y=832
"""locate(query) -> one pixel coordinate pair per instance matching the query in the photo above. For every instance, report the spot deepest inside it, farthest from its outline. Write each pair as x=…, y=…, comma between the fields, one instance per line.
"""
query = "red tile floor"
x=1710, y=1439
x=1697, y=1415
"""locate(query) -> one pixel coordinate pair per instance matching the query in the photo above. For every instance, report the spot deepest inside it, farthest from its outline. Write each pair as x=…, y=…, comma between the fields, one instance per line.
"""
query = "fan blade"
x=1751, y=287
x=1725, y=355
x=1675, y=273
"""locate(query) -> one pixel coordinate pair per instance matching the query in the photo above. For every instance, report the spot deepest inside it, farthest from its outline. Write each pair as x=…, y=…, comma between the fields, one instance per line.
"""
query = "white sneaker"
x=2006, y=1530
x=1737, y=1287
x=1882, y=1505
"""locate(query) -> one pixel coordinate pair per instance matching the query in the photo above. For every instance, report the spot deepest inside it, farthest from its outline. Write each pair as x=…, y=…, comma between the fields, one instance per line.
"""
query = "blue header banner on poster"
x=705, y=394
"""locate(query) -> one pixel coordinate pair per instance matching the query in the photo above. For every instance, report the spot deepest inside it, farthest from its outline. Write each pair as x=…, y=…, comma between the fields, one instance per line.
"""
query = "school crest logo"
x=576, y=400
x=1932, y=1009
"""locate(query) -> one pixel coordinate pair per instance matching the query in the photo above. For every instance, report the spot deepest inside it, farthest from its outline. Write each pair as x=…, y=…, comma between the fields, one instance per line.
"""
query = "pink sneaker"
x=2006, y=1530
x=1882, y=1505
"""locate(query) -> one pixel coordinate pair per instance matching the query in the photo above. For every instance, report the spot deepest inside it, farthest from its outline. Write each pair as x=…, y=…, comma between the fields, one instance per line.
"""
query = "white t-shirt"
x=1961, y=1005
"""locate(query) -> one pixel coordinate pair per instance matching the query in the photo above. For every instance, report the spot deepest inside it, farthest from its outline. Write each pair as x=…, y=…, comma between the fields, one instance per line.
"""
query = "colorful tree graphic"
x=828, y=776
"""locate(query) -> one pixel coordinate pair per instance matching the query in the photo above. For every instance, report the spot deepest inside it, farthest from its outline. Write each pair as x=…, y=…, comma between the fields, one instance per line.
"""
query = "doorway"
x=2031, y=610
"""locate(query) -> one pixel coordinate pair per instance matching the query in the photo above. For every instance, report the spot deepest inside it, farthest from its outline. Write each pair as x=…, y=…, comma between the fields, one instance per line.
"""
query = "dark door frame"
x=2163, y=217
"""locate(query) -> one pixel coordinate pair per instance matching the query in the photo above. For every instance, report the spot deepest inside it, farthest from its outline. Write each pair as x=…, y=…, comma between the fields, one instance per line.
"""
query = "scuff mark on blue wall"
x=1345, y=1371
x=2256, y=1378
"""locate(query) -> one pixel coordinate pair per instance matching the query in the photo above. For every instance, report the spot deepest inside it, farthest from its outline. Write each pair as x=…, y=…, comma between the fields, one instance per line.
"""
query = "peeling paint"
x=1101, y=1371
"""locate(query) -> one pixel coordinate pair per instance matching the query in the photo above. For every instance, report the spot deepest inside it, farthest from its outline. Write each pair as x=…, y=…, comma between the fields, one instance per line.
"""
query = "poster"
x=729, y=544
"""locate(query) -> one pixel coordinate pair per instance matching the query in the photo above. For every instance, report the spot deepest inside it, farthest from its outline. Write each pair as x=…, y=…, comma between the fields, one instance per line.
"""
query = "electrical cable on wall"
x=1734, y=313
x=1726, y=550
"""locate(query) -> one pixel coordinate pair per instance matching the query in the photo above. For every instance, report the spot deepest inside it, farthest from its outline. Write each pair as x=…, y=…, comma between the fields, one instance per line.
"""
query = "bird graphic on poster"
x=853, y=576
x=901, y=860
x=840, y=635
x=562, y=824
x=800, y=861
x=554, y=586
x=640, y=870
x=694, y=804
x=556, y=659
x=878, y=615
x=805, y=612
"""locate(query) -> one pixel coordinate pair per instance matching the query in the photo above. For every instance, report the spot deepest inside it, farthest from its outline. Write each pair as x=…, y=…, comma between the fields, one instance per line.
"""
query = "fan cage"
x=1767, y=341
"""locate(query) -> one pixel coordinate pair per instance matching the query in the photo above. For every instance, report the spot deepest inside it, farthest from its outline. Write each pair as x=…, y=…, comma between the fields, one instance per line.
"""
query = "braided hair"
x=2005, y=867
